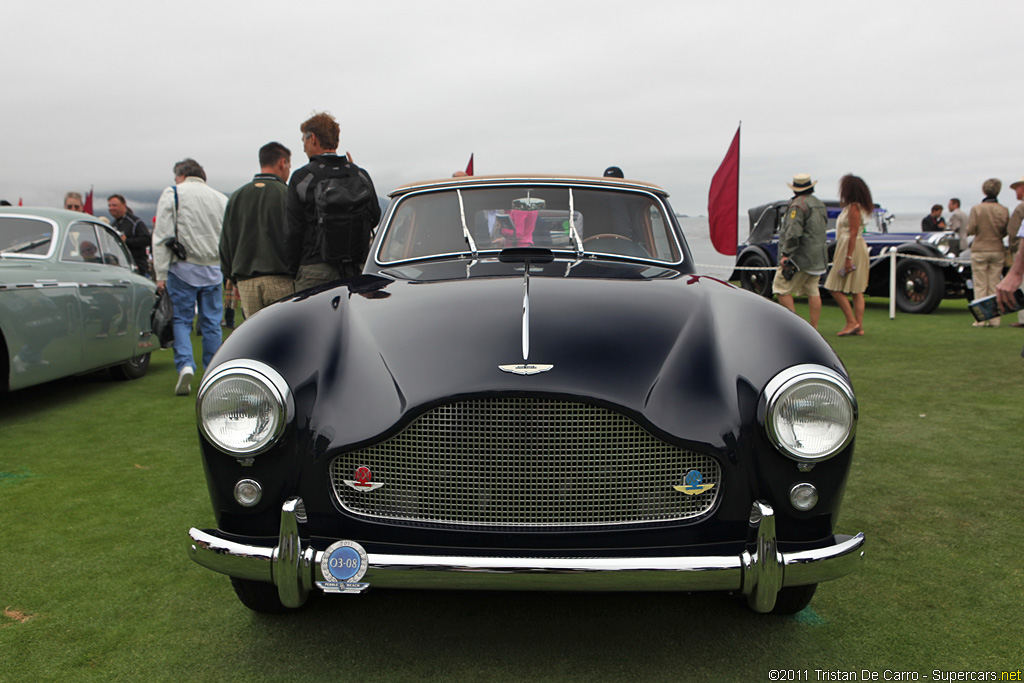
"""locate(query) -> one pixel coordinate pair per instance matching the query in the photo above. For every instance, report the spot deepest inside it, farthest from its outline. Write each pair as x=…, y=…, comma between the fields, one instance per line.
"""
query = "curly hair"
x=853, y=190
x=189, y=167
x=324, y=127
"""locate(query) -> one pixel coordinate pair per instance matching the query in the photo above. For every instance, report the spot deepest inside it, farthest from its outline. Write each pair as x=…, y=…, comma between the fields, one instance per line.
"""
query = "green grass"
x=99, y=481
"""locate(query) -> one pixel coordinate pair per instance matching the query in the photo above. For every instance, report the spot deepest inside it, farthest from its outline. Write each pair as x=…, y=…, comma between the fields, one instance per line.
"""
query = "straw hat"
x=802, y=182
x=1014, y=186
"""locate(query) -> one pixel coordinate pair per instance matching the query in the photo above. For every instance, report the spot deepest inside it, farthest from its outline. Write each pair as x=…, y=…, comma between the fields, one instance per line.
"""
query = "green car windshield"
x=24, y=236
x=468, y=221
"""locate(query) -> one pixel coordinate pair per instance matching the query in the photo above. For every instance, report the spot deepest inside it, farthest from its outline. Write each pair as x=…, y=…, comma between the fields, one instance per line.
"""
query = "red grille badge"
x=363, y=480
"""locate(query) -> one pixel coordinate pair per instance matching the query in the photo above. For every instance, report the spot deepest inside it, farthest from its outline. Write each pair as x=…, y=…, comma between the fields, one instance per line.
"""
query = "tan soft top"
x=523, y=179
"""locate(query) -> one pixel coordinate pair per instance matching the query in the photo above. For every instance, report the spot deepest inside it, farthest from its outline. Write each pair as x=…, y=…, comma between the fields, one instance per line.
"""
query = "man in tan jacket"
x=987, y=223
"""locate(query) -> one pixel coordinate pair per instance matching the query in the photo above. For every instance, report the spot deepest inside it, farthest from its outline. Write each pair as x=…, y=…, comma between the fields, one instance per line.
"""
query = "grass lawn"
x=100, y=480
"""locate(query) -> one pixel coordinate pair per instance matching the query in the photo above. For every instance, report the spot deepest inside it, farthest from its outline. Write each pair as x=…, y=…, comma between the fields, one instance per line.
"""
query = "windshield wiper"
x=27, y=245
x=465, y=230
x=572, y=226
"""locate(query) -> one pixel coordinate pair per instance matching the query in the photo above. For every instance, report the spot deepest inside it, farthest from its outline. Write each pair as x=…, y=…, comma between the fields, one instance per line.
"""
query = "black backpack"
x=345, y=217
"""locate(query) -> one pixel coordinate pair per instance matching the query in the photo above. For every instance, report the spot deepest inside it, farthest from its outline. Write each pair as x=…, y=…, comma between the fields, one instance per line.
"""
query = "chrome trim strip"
x=526, y=312
x=758, y=573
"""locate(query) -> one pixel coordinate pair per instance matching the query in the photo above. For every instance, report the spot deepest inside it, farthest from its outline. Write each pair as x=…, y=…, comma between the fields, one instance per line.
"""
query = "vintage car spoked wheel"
x=919, y=286
x=132, y=369
x=757, y=281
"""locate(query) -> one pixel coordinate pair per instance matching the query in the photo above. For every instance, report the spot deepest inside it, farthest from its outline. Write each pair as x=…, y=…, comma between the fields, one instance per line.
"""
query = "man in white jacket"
x=191, y=212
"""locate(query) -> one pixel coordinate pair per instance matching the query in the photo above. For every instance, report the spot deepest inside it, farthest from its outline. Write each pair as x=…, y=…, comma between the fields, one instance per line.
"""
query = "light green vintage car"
x=71, y=299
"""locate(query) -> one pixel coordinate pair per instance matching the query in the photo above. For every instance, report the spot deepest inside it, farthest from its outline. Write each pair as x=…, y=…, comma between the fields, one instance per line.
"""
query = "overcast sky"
x=921, y=99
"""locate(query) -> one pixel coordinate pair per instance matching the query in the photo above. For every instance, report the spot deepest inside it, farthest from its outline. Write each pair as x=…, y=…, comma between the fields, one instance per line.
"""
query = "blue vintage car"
x=528, y=388
x=920, y=284
x=71, y=299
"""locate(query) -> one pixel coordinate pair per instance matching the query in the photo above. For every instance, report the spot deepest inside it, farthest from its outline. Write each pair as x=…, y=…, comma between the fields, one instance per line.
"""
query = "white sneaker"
x=184, y=384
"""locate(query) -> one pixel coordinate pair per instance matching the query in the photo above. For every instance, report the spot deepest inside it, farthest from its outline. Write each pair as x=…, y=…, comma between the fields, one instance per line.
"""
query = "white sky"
x=918, y=98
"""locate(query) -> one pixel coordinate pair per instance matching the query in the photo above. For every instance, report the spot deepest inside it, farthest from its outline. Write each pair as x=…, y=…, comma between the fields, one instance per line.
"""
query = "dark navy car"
x=527, y=388
x=921, y=283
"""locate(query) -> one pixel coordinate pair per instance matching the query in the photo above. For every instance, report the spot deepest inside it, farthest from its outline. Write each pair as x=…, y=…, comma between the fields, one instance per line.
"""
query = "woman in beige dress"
x=850, y=264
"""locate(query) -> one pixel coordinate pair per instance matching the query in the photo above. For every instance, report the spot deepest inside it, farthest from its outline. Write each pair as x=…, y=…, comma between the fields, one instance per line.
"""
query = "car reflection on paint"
x=71, y=299
x=528, y=388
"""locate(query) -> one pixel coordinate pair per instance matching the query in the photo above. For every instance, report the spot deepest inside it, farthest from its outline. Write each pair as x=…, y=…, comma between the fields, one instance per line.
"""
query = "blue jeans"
x=211, y=307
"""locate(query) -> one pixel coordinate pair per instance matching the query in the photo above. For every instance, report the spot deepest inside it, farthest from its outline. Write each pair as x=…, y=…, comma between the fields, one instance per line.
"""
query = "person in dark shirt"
x=252, y=243
x=933, y=222
x=320, y=134
x=133, y=231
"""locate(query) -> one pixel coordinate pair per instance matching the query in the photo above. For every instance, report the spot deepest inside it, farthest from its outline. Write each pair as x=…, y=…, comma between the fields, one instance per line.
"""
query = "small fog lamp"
x=803, y=497
x=248, y=492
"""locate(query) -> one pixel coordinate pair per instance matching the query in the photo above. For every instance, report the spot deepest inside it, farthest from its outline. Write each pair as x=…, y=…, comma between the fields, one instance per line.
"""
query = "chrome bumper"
x=759, y=572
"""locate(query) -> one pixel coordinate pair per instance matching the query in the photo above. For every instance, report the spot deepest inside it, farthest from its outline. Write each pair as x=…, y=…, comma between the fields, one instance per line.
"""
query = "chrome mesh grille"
x=525, y=462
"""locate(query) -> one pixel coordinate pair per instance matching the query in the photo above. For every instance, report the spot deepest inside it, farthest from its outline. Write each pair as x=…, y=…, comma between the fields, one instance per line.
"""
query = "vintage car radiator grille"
x=524, y=462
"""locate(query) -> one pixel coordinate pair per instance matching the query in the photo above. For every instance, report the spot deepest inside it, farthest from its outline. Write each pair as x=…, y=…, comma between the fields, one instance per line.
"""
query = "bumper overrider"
x=759, y=572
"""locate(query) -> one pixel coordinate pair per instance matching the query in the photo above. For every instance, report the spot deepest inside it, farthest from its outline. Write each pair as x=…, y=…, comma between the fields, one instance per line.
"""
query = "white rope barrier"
x=889, y=253
x=884, y=254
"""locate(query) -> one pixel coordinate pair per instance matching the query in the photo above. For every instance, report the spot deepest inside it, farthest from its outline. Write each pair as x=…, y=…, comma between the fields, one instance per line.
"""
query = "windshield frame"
x=657, y=199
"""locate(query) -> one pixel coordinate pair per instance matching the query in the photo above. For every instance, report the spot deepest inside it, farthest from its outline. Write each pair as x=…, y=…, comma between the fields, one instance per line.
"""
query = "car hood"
x=685, y=355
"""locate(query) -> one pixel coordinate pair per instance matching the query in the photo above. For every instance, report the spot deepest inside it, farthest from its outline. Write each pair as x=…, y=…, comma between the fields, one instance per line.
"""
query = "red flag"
x=87, y=207
x=469, y=166
x=724, y=200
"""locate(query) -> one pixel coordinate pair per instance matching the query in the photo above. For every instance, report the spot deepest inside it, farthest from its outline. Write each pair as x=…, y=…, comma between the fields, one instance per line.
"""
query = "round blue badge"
x=344, y=562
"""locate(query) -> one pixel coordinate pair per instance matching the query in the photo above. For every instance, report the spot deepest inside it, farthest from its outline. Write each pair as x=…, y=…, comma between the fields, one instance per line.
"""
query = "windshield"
x=488, y=219
x=25, y=236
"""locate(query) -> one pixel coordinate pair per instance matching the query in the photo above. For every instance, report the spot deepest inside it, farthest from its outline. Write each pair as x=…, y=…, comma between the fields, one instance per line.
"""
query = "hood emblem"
x=364, y=480
x=525, y=368
x=693, y=483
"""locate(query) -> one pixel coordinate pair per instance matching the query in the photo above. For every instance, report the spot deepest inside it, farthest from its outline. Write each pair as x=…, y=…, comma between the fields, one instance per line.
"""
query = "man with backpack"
x=332, y=208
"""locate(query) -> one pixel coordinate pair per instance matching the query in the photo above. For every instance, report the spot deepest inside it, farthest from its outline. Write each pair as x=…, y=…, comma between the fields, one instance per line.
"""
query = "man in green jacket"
x=802, y=240
x=252, y=252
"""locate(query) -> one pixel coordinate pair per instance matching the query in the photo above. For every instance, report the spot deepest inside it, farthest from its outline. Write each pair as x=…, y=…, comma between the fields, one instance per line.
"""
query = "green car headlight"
x=243, y=407
x=810, y=412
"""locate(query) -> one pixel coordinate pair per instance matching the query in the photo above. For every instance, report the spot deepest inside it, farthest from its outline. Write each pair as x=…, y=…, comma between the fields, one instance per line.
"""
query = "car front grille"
x=524, y=462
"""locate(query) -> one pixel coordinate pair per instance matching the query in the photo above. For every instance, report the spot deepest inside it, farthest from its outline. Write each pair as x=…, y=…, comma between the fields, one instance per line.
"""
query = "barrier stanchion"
x=892, y=283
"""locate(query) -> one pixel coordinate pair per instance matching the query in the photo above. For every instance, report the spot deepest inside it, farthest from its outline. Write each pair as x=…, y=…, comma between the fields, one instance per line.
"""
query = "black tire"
x=259, y=596
x=920, y=286
x=793, y=599
x=757, y=281
x=134, y=369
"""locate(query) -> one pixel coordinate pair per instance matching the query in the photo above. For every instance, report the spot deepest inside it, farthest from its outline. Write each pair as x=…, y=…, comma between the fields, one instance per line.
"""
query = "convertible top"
x=527, y=179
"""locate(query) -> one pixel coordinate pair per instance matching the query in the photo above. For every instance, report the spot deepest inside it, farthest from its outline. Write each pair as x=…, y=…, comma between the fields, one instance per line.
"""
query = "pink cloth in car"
x=525, y=222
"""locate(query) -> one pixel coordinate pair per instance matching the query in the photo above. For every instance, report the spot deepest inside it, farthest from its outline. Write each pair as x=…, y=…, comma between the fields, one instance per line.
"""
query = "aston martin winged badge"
x=525, y=368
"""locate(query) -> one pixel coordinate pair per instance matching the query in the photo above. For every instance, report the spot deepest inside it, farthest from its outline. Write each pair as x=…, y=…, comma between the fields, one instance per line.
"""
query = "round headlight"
x=243, y=407
x=810, y=412
x=945, y=244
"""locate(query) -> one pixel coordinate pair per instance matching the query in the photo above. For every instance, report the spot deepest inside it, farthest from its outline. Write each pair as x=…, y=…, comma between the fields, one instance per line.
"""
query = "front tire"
x=794, y=599
x=757, y=281
x=920, y=286
x=259, y=596
x=133, y=369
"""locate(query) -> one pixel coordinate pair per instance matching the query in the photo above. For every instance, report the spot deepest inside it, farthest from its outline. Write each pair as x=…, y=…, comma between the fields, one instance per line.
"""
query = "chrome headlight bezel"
x=782, y=387
x=264, y=378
